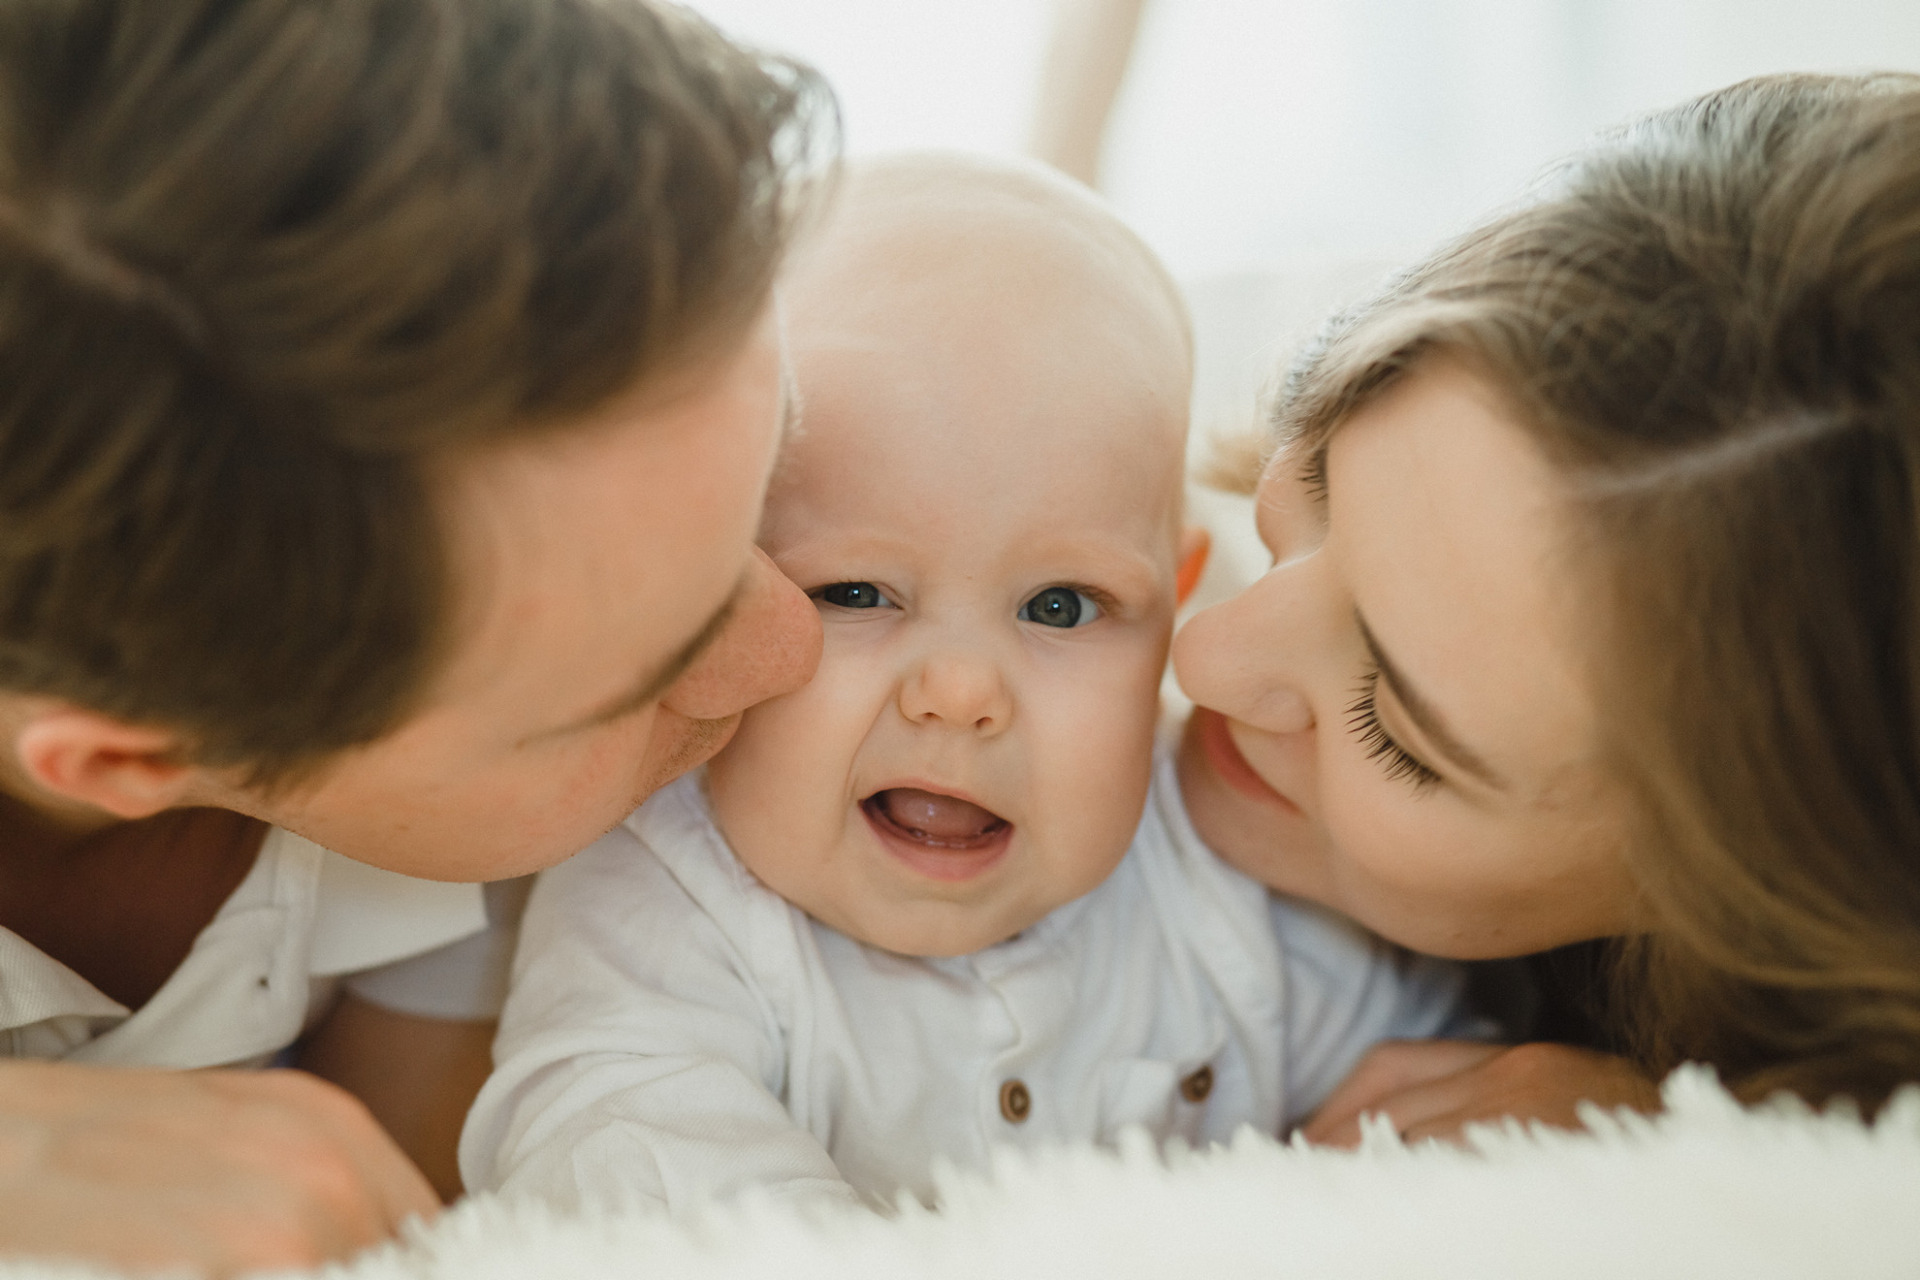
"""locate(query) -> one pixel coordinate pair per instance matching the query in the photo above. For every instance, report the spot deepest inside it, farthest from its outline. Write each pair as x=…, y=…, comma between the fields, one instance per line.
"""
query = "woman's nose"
x=769, y=647
x=959, y=689
x=1244, y=657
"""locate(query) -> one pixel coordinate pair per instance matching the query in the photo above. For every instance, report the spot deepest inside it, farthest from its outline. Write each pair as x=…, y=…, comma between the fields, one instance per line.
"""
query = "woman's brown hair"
x=261, y=260
x=1710, y=323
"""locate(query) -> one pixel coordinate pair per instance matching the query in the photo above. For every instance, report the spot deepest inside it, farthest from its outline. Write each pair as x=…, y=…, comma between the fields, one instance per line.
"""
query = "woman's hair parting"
x=260, y=261
x=1710, y=324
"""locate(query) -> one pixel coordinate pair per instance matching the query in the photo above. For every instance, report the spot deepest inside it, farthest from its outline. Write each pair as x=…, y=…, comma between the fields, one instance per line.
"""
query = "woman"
x=1594, y=612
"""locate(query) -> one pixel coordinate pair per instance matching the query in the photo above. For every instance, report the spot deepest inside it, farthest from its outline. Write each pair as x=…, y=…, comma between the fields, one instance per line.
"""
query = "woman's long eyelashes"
x=1313, y=474
x=1363, y=721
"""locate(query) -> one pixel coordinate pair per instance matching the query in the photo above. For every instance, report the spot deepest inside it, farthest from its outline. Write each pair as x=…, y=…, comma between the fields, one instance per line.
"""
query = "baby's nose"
x=959, y=689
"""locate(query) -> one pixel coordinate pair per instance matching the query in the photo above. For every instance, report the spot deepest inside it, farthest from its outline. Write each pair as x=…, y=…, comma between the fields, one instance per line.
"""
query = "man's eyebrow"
x=789, y=382
x=789, y=413
x=661, y=678
x=1424, y=716
x=791, y=408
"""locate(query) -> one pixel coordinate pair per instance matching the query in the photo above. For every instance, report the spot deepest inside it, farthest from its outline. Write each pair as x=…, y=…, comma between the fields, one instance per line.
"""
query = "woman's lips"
x=958, y=841
x=1217, y=744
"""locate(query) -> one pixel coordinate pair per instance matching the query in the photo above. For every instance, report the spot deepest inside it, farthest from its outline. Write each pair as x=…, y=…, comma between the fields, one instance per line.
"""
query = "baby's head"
x=984, y=500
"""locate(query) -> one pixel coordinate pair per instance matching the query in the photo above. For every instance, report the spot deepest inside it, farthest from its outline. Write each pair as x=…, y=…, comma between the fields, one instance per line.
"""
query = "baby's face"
x=985, y=513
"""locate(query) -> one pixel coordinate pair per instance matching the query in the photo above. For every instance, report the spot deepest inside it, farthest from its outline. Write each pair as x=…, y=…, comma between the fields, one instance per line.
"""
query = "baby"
x=944, y=897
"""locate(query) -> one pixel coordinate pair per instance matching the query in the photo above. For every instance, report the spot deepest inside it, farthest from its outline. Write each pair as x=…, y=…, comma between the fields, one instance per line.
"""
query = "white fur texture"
x=1706, y=1190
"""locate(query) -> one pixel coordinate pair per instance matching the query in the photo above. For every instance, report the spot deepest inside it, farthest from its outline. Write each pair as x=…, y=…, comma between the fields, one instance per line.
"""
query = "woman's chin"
x=1211, y=735
x=1251, y=826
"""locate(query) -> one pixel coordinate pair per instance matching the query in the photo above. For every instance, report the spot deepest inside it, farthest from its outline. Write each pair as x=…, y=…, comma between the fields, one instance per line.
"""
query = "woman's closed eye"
x=851, y=595
x=1061, y=607
x=1363, y=721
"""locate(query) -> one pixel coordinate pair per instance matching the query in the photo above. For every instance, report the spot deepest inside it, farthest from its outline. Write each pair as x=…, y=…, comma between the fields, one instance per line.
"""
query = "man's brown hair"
x=260, y=259
x=1710, y=324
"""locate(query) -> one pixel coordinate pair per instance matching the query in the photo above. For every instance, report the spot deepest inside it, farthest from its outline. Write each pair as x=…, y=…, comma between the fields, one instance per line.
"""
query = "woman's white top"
x=676, y=1031
x=302, y=922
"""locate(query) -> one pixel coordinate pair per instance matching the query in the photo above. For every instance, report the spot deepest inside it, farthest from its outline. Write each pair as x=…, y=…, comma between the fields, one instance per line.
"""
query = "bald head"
x=1015, y=232
x=953, y=274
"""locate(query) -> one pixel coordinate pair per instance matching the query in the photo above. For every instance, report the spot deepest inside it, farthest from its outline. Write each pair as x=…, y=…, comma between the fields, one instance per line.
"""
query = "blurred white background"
x=1282, y=154
x=1283, y=131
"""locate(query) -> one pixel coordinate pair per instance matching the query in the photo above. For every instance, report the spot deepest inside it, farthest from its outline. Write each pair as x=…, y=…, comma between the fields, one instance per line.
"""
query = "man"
x=387, y=392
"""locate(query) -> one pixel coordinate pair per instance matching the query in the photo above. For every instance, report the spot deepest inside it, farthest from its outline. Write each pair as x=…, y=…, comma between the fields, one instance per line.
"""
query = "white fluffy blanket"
x=1706, y=1190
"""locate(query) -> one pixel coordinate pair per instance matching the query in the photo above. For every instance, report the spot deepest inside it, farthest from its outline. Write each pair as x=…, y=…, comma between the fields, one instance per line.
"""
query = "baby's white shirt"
x=676, y=1031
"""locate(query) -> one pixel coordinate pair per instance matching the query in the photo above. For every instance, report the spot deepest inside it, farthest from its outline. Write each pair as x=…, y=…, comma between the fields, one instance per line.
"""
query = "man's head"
x=387, y=388
x=984, y=503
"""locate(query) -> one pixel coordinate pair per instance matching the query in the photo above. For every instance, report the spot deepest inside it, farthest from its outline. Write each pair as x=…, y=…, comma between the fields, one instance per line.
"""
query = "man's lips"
x=936, y=833
x=1223, y=754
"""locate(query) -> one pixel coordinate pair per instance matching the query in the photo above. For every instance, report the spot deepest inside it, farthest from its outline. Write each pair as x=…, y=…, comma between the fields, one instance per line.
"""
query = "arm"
x=214, y=1171
x=638, y=1058
x=1085, y=65
x=1435, y=1088
x=413, y=1039
x=1347, y=991
x=416, y=1075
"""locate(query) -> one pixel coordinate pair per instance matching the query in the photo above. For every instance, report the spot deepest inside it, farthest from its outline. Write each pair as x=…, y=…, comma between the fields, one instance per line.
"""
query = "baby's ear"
x=1195, y=543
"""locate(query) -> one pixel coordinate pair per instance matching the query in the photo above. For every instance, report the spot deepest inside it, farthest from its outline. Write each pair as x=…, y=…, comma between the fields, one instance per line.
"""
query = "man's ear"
x=1195, y=543
x=129, y=771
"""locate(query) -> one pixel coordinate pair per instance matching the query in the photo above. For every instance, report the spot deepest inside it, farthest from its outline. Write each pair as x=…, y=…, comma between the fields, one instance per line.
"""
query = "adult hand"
x=217, y=1171
x=1435, y=1088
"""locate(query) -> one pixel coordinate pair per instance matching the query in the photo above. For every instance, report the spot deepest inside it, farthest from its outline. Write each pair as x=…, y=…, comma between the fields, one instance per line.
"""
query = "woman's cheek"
x=1422, y=869
x=1378, y=830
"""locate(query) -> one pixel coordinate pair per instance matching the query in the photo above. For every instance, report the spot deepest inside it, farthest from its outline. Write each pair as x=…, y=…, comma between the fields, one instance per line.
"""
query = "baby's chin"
x=939, y=940
x=934, y=929
x=929, y=927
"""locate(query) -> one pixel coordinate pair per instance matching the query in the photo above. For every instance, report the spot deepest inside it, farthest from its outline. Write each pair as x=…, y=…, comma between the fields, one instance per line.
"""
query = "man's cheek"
x=683, y=745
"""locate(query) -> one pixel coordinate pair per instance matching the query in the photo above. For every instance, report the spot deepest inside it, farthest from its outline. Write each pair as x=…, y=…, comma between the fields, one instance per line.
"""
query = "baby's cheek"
x=1098, y=751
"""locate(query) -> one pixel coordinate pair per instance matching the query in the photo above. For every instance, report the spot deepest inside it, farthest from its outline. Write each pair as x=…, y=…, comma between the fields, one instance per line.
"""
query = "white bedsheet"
x=1706, y=1190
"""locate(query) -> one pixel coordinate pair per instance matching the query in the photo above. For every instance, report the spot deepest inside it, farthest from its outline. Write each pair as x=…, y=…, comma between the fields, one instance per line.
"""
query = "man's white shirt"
x=302, y=923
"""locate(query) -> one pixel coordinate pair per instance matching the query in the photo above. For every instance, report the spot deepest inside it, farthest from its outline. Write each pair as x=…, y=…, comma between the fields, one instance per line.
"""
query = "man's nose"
x=770, y=646
x=958, y=688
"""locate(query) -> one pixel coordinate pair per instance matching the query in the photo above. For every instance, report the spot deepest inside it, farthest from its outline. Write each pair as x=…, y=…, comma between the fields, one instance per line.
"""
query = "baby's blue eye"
x=1060, y=607
x=852, y=595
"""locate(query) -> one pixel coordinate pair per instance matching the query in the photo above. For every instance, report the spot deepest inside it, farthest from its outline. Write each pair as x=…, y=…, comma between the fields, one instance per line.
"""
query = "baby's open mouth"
x=932, y=819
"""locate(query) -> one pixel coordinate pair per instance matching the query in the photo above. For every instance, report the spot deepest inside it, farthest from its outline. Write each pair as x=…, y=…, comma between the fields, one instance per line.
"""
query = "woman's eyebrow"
x=1425, y=718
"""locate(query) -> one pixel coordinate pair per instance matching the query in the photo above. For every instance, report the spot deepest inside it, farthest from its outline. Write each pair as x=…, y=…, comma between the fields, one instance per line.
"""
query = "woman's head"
x=1628, y=477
